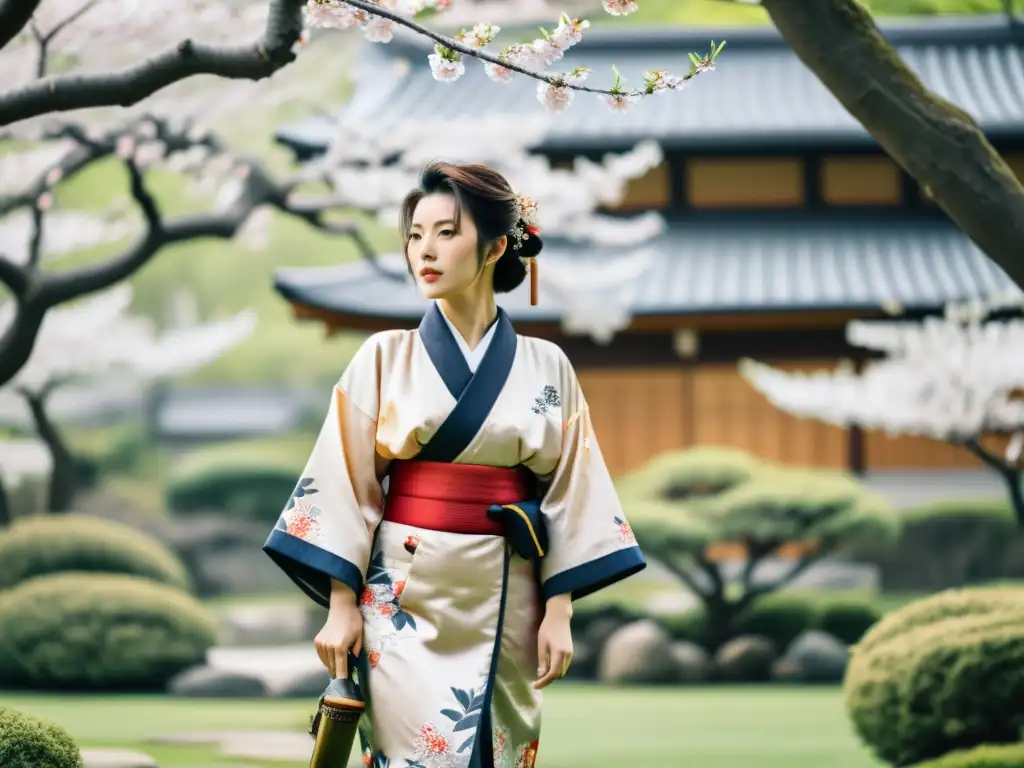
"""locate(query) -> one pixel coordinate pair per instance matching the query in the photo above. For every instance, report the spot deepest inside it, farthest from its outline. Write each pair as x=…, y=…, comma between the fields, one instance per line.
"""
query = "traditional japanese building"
x=785, y=221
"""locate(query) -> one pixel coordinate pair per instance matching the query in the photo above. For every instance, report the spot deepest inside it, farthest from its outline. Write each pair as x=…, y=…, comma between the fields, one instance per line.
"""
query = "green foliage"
x=251, y=480
x=952, y=543
x=41, y=545
x=988, y=756
x=742, y=499
x=689, y=474
x=26, y=742
x=74, y=631
x=942, y=674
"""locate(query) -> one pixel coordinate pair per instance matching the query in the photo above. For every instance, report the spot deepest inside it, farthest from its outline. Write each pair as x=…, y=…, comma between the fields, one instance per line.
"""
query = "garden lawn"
x=585, y=726
x=715, y=13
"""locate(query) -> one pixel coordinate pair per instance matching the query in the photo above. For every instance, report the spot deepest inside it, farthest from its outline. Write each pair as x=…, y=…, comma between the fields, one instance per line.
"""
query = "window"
x=745, y=182
x=652, y=191
x=860, y=180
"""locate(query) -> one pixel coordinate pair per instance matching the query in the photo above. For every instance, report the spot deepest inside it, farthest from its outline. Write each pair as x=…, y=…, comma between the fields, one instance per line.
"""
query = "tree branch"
x=14, y=15
x=129, y=86
x=936, y=142
x=1010, y=474
x=13, y=276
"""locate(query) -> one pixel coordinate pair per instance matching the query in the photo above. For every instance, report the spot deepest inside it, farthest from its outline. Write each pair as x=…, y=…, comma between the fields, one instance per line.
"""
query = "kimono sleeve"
x=590, y=544
x=327, y=526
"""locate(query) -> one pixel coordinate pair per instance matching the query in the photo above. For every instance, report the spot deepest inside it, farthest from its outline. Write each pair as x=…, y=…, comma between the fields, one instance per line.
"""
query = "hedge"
x=250, y=481
x=89, y=631
x=41, y=545
x=26, y=742
x=945, y=673
x=988, y=756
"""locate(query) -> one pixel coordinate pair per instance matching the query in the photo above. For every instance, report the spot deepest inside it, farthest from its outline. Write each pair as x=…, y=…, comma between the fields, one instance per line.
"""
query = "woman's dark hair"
x=487, y=196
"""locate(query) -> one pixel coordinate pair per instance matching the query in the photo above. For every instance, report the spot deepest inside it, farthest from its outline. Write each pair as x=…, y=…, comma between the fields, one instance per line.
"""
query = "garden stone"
x=693, y=663
x=817, y=657
x=597, y=634
x=309, y=684
x=207, y=681
x=271, y=623
x=116, y=758
x=640, y=652
x=746, y=659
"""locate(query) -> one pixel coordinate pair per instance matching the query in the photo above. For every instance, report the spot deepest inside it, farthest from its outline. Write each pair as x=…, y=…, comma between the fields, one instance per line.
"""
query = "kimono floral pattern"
x=301, y=517
x=380, y=605
x=625, y=531
x=500, y=742
x=526, y=755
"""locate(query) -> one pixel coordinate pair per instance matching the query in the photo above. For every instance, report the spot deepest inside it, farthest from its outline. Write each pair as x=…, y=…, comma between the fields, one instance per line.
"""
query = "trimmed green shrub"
x=26, y=742
x=82, y=631
x=988, y=756
x=952, y=544
x=250, y=481
x=945, y=673
x=40, y=545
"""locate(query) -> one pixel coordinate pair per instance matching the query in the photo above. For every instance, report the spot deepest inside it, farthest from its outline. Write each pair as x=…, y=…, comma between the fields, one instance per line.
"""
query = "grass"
x=584, y=726
x=711, y=13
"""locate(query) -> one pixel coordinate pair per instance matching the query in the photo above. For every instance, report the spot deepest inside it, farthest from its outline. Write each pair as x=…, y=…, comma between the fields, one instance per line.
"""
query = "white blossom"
x=97, y=336
x=620, y=7
x=446, y=65
x=379, y=30
x=619, y=102
x=498, y=73
x=555, y=98
x=951, y=378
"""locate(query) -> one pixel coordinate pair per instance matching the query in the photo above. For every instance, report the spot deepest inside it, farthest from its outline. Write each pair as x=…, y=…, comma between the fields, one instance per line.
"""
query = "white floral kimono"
x=451, y=619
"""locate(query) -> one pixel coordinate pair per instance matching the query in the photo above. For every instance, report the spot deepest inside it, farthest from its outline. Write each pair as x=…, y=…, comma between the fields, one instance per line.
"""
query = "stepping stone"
x=285, y=747
x=116, y=758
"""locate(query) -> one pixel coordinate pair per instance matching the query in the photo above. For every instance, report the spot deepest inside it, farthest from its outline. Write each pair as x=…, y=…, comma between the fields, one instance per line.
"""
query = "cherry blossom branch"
x=36, y=292
x=255, y=61
x=448, y=52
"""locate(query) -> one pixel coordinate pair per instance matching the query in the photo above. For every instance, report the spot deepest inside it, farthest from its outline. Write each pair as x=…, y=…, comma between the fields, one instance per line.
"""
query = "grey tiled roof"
x=724, y=264
x=759, y=94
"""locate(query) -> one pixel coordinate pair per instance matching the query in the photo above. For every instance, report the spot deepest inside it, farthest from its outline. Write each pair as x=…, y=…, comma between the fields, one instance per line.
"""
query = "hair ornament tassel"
x=531, y=267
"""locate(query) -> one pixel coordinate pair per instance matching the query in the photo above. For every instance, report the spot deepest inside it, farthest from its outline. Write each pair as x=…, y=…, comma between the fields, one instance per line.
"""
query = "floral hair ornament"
x=526, y=225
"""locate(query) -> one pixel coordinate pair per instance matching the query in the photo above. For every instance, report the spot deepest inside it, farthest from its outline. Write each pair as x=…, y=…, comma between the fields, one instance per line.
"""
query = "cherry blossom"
x=954, y=378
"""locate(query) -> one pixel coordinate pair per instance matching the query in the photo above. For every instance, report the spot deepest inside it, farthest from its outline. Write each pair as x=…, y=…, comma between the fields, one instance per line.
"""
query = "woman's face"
x=443, y=261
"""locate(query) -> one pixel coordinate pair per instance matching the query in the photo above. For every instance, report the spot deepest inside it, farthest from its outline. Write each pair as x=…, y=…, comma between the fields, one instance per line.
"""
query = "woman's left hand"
x=554, y=641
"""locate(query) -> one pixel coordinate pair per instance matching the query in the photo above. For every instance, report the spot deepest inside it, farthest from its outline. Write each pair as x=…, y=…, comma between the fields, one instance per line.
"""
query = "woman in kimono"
x=454, y=587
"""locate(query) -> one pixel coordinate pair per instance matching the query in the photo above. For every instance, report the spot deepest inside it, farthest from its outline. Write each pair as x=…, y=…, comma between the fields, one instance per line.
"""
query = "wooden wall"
x=641, y=411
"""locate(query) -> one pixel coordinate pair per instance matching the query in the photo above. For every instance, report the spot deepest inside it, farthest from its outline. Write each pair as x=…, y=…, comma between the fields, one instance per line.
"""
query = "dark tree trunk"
x=6, y=515
x=63, y=479
x=936, y=142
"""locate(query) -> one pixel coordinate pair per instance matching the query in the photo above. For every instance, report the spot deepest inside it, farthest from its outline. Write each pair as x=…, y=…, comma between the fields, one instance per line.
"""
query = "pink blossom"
x=338, y=15
x=497, y=73
x=555, y=98
x=619, y=102
x=620, y=7
x=446, y=68
x=379, y=30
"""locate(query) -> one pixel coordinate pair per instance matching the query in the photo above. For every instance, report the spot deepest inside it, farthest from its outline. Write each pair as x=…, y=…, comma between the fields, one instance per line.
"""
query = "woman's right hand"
x=342, y=632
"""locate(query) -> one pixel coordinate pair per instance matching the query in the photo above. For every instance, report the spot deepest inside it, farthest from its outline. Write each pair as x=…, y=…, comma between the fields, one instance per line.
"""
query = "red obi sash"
x=453, y=498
